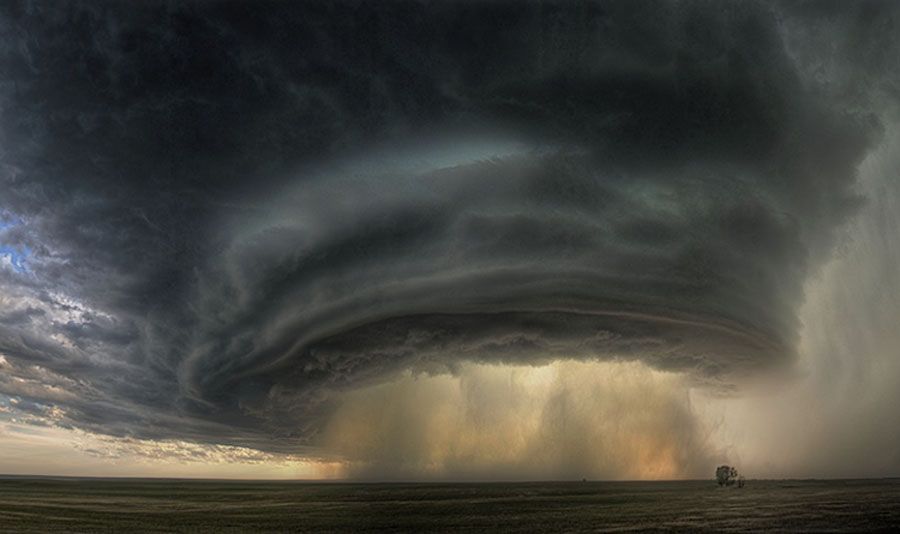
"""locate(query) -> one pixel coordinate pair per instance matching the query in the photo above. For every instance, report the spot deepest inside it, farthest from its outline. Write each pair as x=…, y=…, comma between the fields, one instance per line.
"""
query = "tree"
x=726, y=475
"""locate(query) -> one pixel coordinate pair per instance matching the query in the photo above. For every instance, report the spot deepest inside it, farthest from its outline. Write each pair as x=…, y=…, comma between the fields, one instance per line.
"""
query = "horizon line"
x=6, y=476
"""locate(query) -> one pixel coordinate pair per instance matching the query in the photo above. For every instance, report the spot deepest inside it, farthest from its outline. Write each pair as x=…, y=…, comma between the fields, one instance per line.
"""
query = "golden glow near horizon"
x=26, y=449
x=564, y=420
x=609, y=420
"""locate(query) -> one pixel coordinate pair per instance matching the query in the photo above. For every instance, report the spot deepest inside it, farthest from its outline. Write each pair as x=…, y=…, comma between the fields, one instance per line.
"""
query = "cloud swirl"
x=217, y=218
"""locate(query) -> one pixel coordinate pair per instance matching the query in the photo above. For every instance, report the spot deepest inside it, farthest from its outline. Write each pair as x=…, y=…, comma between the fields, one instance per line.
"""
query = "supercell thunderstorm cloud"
x=450, y=239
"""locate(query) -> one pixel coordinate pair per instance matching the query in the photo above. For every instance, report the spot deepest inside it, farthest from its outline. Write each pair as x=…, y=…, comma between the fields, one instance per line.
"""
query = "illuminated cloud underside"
x=567, y=420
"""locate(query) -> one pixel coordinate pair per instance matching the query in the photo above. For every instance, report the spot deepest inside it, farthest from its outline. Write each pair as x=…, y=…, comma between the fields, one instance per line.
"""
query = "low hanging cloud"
x=221, y=220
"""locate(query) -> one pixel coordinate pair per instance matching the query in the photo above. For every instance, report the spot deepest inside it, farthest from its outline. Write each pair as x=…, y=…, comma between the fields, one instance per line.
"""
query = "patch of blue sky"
x=8, y=221
x=15, y=257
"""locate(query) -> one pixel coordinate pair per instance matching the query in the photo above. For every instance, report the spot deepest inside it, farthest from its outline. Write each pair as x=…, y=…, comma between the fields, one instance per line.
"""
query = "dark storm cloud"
x=234, y=210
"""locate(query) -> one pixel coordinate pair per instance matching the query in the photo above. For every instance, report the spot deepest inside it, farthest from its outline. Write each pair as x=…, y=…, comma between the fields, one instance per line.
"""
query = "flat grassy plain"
x=156, y=505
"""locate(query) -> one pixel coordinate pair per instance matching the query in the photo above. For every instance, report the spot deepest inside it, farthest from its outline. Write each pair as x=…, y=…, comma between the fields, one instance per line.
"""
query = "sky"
x=450, y=240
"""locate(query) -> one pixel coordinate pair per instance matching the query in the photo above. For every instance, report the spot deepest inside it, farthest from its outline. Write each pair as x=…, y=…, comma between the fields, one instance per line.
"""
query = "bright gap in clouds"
x=28, y=447
x=11, y=256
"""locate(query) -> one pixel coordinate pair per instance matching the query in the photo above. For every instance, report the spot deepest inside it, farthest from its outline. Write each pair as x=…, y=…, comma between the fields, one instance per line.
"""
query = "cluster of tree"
x=728, y=476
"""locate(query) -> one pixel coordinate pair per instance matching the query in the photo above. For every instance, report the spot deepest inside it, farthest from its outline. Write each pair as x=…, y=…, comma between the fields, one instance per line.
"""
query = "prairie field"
x=152, y=505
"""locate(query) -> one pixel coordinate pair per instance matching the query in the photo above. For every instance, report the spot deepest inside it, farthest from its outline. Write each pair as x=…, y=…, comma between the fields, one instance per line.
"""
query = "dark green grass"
x=101, y=505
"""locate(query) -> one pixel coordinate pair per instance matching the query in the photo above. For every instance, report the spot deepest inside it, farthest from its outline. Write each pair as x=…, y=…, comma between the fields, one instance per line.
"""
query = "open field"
x=89, y=505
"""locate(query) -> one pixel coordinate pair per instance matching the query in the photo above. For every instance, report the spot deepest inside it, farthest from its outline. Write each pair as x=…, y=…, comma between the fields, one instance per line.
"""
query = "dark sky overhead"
x=275, y=228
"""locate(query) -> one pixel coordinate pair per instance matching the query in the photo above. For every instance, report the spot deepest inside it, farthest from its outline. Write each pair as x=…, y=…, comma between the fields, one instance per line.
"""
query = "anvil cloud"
x=219, y=219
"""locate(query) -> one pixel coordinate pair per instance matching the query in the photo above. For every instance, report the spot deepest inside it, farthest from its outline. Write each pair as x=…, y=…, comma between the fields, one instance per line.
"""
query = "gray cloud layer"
x=228, y=213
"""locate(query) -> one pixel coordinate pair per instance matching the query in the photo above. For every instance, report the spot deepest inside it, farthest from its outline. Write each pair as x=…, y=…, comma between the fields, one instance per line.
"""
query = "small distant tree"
x=726, y=475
